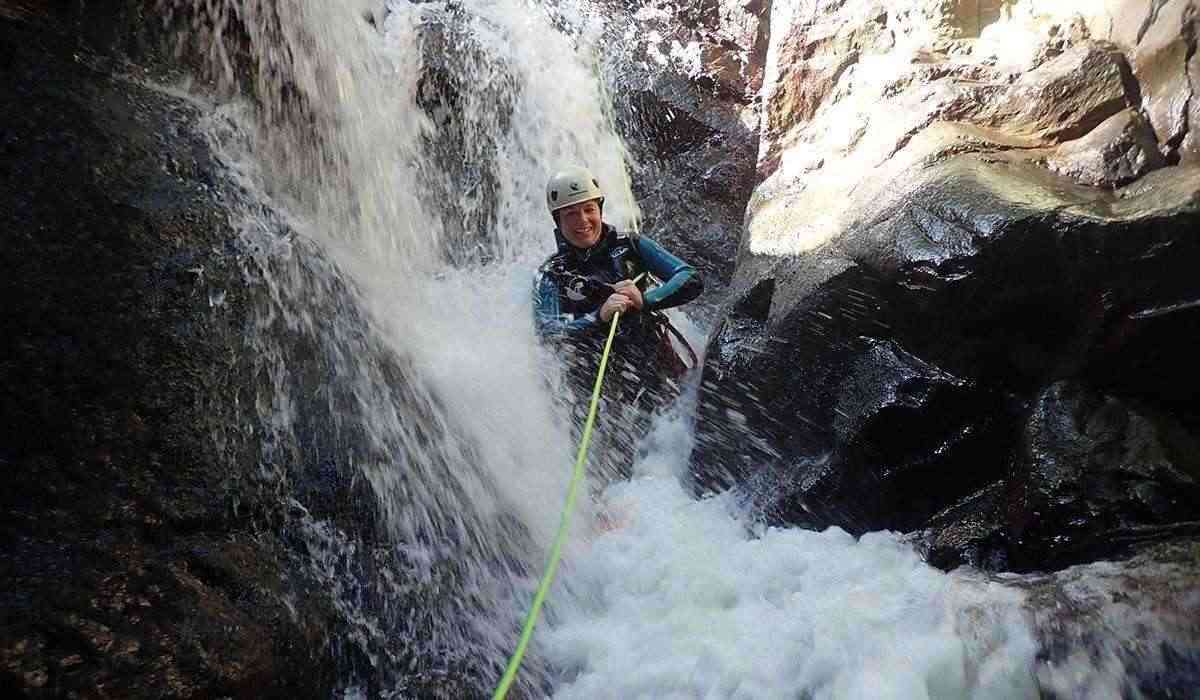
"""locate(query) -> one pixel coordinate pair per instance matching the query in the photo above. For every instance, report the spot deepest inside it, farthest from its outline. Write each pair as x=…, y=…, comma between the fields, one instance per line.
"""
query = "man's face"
x=580, y=223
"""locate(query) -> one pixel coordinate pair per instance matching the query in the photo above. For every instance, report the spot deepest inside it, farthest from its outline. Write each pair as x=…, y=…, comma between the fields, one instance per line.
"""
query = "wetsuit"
x=572, y=285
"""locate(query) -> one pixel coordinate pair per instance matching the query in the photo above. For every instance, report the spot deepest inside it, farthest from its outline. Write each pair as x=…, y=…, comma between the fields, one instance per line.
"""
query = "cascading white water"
x=424, y=375
x=687, y=599
x=456, y=428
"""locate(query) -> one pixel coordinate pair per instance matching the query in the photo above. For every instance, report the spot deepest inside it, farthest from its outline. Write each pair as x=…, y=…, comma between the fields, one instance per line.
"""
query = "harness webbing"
x=514, y=663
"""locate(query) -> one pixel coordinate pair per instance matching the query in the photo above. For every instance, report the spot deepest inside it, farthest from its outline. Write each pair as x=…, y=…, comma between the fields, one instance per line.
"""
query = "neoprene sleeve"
x=680, y=283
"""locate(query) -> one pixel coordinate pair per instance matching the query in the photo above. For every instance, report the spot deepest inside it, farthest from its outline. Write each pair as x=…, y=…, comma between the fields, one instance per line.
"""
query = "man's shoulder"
x=622, y=243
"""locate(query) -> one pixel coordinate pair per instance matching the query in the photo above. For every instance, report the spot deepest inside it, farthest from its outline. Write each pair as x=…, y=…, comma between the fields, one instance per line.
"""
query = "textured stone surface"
x=1163, y=62
x=957, y=207
x=1120, y=629
x=158, y=539
x=1117, y=152
x=1064, y=98
x=1093, y=472
x=127, y=573
x=685, y=83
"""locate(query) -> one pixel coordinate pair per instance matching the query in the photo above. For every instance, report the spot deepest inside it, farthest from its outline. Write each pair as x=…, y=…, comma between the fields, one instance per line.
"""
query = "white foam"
x=686, y=600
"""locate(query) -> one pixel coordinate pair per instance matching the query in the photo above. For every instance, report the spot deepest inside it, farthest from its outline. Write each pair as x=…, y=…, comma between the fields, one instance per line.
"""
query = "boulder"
x=908, y=439
x=1117, y=152
x=1064, y=98
x=128, y=569
x=1164, y=63
x=887, y=370
x=957, y=207
x=1094, y=474
x=1119, y=629
x=185, y=509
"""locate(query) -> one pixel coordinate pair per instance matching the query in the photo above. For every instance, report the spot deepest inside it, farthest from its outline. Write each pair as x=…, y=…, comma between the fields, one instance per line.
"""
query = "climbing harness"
x=663, y=329
x=514, y=663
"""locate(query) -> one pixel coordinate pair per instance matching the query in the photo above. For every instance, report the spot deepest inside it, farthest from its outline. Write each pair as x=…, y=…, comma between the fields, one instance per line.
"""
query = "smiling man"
x=591, y=277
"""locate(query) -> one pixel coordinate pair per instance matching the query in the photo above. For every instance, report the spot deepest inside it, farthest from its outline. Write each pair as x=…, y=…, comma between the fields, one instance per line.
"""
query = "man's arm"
x=548, y=318
x=681, y=282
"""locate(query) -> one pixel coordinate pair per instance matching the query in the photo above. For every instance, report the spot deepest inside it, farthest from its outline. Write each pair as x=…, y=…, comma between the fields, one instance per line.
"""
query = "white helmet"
x=572, y=186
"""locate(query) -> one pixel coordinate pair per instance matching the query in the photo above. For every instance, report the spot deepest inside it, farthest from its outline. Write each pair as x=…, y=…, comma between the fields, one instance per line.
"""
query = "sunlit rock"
x=1117, y=152
x=1164, y=63
x=982, y=190
x=1063, y=98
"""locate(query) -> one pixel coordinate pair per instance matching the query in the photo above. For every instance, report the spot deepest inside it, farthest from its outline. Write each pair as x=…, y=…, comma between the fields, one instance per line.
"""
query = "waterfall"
x=392, y=159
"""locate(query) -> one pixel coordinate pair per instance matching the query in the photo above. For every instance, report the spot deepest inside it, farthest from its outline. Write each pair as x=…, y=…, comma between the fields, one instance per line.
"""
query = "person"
x=595, y=273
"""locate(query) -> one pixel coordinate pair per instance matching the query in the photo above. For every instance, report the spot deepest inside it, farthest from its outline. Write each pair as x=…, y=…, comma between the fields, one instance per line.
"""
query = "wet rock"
x=969, y=533
x=726, y=70
x=1064, y=98
x=887, y=372
x=985, y=198
x=1164, y=63
x=1119, y=629
x=1094, y=474
x=684, y=81
x=1117, y=152
x=153, y=542
x=114, y=354
x=908, y=439
x=462, y=168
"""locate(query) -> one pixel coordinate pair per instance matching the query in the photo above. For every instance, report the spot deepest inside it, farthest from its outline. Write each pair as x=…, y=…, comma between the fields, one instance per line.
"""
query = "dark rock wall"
x=159, y=540
x=127, y=572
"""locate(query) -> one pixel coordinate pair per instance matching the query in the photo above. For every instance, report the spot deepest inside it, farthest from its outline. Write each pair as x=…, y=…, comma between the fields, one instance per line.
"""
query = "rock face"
x=126, y=572
x=965, y=297
x=1136, y=619
x=1093, y=472
x=158, y=539
x=1117, y=152
x=685, y=78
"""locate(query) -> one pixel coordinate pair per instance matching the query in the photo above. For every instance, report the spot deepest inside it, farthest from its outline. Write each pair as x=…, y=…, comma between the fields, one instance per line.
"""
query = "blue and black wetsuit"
x=568, y=292
x=573, y=284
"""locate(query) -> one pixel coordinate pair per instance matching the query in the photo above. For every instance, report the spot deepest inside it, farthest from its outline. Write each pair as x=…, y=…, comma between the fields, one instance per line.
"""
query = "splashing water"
x=393, y=163
x=387, y=351
x=686, y=599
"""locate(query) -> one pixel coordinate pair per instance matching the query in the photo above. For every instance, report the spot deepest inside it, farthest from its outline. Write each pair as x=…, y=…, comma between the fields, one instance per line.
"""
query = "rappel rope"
x=514, y=663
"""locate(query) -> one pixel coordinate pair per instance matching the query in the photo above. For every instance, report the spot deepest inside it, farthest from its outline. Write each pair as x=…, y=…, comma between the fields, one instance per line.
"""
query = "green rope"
x=514, y=663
